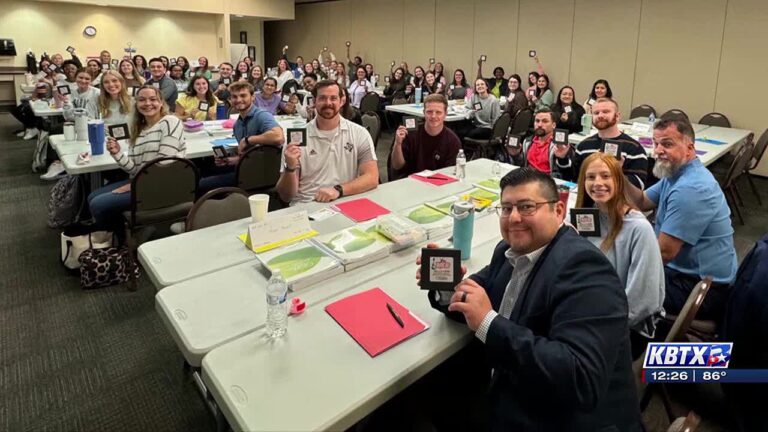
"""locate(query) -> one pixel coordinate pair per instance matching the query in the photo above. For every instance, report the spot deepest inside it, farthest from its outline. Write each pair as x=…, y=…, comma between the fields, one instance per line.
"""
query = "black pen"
x=395, y=315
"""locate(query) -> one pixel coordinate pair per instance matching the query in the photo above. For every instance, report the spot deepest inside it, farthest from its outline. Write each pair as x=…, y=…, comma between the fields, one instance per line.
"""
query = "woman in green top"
x=203, y=70
x=543, y=97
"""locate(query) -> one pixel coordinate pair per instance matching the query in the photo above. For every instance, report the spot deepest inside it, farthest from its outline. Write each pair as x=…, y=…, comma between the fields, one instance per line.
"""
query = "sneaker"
x=55, y=171
x=21, y=133
x=178, y=227
x=30, y=133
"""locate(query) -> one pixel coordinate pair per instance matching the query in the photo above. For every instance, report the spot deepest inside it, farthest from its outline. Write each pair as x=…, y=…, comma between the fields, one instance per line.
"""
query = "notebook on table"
x=361, y=209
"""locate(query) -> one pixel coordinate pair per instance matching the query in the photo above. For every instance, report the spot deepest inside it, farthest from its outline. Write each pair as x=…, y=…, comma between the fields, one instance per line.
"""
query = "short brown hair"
x=436, y=98
x=323, y=84
x=609, y=100
x=239, y=86
x=682, y=124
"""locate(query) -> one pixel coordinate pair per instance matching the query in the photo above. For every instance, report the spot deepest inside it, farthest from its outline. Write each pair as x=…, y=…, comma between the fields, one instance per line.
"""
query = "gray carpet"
x=102, y=360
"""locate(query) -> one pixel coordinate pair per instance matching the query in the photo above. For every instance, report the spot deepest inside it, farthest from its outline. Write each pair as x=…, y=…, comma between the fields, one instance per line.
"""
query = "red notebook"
x=367, y=319
x=436, y=179
x=361, y=209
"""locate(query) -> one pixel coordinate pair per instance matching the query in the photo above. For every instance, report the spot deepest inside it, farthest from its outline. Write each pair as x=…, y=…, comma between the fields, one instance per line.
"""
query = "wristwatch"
x=340, y=190
x=289, y=169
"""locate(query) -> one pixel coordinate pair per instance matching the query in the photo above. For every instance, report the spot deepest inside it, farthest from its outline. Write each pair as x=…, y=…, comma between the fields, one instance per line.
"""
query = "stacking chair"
x=372, y=123
x=290, y=84
x=369, y=102
x=738, y=167
x=677, y=333
x=642, y=111
x=458, y=93
x=483, y=148
x=522, y=123
x=757, y=155
x=163, y=191
x=674, y=112
x=210, y=211
x=258, y=169
x=715, y=119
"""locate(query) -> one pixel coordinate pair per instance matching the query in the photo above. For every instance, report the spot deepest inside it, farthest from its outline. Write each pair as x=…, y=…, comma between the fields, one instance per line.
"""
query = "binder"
x=366, y=317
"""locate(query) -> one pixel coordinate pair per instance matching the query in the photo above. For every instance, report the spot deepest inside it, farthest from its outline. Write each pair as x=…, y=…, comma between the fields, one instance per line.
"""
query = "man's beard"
x=605, y=124
x=662, y=169
x=539, y=132
x=324, y=113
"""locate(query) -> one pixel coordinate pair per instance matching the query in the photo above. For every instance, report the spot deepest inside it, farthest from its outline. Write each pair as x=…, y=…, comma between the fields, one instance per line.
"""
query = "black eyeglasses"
x=525, y=208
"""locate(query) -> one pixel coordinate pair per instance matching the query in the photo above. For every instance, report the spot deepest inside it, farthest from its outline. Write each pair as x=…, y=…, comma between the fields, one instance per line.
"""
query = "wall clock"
x=90, y=31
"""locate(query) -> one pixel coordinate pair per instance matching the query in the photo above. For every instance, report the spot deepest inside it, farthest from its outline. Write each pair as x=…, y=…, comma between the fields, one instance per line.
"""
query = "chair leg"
x=735, y=206
x=737, y=194
x=754, y=189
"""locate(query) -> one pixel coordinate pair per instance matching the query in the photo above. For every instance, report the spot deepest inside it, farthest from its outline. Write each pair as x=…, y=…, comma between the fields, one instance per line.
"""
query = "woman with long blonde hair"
x=628, y=241
x=115, y=105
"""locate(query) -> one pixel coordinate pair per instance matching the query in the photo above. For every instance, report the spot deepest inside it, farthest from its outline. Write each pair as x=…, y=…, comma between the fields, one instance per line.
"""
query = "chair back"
x=759, y=150
x=715, y=119
x=290, y=84
x=689, y=310
x=501, y=127
x=674, y=112
x=163, y=182
x=369, y=102
x=258, y=168
x=739, y=164
x=642, y=111
x=458, y=93
x=399, y=99
x=208, y=211
x=522, y=122
x=372, y=123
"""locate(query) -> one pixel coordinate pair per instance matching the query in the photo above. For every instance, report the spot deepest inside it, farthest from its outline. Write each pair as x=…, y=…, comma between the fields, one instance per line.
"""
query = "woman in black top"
x=458, y=88
x=567, y=111
x=600, y=89
x=431, y=85
x=516, y=100
x=396, y=86
x=417, y=80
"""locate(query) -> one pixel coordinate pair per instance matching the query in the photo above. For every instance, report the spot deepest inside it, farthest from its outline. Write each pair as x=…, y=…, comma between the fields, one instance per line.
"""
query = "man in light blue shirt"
x=693, y=222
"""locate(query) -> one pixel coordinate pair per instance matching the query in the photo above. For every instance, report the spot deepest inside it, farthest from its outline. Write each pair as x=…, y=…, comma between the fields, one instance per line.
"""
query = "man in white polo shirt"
x=338, y=159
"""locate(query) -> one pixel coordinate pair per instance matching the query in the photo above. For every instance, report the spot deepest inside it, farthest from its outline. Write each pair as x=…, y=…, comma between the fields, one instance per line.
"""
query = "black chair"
x=370, y=102
x=642, y=111
x=458, y=93
x=217, y=207
x=258, y=169
x=522, y=123
x=483, y=148
x=674, y=112
x=738, y=168
x=372, y=123
x=715, y=119
x=757, y=155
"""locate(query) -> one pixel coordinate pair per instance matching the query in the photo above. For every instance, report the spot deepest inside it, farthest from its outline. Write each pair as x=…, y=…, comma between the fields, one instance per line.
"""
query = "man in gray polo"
x=338, y=159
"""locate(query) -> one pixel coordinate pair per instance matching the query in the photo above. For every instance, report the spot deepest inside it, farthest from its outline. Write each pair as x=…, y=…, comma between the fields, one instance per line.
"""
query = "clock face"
x=90, y=31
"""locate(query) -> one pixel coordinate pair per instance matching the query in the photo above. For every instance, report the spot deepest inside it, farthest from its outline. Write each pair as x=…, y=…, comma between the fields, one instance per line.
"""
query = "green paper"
x=296, y=262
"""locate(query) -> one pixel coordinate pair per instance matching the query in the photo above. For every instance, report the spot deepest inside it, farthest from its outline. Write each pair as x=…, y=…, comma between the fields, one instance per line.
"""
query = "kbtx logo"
x=687, y=355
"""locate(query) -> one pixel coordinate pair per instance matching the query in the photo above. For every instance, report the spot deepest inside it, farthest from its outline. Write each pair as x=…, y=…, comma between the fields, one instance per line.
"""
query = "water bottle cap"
x=461, y=208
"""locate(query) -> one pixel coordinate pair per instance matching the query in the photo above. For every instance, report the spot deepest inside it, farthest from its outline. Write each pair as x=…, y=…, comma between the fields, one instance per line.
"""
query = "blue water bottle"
x=463, y=213
x=221, y=111
x=96, y=136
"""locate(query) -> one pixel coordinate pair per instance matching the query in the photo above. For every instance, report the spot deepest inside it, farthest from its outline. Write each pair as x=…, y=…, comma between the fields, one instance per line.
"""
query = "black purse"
x=107, y=266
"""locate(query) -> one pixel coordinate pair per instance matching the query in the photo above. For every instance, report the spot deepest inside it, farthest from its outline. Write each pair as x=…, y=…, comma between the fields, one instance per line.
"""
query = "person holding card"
x=396, y=85
x=241, y=71
x=106, y=59
x=115, y=104
x=201, y=70
x=693, y=220
x=338, y=159
x=600, y=89
x=198, y=102
x=431, y=85
x=284, y=73
x=429, y=147
x=609, y=139
x=219, y=87
x=154, y=133
x=359, y=87
x=551, y=315
x=458, y=88
x=177, y=75
x=353, y=64
x=94, y=68
x=141, y=66
x=568, y=111
x=84, y=96
x=543, y=96
x=130, y=74
x=516, y=99
x=268, y=99
x=497, y=85
x=485, y=111
x=163, y=83
x=254, y=127
x=184, y=63
x=628, y=241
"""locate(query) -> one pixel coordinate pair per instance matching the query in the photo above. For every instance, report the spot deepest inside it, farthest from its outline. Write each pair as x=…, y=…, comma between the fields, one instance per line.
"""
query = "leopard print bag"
x=108, y=266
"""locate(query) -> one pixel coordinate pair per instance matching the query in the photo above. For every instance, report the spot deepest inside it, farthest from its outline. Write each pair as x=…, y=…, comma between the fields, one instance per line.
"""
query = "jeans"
x=678, y=288
x=107, y=207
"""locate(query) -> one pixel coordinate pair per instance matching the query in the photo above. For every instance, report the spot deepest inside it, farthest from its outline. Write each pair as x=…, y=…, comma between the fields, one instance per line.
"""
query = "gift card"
x=203, y=106
x=71, y=49
x=591, y=102
x=531, y=53
x=567, y=109
x=453, y=86
x=513, y=141
x=483, y=58
x=226, y=81
x=132, y=91
x=325, y=48
x=477, y=106
x=286, y=98
x=63, y=90
x=440, y=269
x=392, y=64
x=561, y=137
x=310, y=101
x=172, y=60
x=118, y=131
x=409, y=123
x=52, y=67
x=611, y=148
x=431, y=61
x=297, y=136
x=586, y=221
x=105, y=67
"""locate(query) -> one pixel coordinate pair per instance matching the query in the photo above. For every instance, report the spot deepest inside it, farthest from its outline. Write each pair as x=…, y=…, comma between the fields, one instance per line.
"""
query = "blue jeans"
x=216, y=181
x=107, y=207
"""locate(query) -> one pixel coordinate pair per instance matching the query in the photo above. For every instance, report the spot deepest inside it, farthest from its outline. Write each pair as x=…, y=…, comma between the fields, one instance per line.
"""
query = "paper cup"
x=69, y=131
x=259, y=205
x=564, y=193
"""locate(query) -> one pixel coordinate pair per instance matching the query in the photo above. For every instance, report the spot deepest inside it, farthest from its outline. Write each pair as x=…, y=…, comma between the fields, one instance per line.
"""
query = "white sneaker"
x=178, y=227
x=30, y=133
x=55, y=171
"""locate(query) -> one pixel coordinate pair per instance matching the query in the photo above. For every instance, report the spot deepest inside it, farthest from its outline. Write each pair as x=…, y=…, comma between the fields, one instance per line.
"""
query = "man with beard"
x=605, y=117
x=551, y=314
x=254, y=127
x=428, y=147
x=219, y=86
x=337, y=160
x=693, y=221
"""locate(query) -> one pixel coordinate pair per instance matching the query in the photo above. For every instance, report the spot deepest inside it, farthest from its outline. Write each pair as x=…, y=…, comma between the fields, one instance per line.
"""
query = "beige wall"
x=273, y=9
x=697, y=55
x=255, y=29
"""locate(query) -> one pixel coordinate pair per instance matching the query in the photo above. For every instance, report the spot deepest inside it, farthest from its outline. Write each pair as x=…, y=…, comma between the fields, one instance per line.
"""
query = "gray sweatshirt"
x=490, y=112
x=88, y=99
x=637, y=259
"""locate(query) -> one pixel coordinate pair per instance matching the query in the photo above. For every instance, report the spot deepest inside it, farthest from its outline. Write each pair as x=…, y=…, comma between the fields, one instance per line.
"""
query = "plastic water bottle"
x=496, y=169
x=652, y=119
x=277, y=306
x=418, y=95
x=461, y=165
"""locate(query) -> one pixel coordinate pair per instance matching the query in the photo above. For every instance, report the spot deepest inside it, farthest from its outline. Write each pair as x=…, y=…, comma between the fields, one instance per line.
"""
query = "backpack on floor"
x=40, y=155
x=66, y=202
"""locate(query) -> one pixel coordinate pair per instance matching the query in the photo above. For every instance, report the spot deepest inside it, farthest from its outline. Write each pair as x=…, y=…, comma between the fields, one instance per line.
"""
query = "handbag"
x=76, y=239
x=107, y=266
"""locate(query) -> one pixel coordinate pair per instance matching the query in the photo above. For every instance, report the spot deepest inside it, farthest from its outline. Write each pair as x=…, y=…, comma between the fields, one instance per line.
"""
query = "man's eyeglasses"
x=525, y=208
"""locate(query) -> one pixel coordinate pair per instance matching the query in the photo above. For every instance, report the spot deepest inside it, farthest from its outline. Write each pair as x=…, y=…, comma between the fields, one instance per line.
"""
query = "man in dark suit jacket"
x=552, y=314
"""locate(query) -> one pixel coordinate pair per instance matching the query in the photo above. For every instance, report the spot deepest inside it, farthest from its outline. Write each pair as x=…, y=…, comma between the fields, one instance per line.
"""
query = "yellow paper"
x=247, y=241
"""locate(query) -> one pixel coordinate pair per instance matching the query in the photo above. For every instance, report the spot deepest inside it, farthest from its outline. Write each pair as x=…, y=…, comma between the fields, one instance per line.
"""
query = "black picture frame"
x=440, y=269
x=300, y=133
x=119, y=131
x=63, y=90
x=612, y=147
x=586, y=221
x=203, y=106
x=410, y=123
x=560, y=137
x=513, y=141
x=531, y=53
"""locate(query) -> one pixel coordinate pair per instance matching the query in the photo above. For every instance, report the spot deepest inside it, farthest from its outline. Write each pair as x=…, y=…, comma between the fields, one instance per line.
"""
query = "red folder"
x=437, y=179
x=361, y=209
x=367, y=319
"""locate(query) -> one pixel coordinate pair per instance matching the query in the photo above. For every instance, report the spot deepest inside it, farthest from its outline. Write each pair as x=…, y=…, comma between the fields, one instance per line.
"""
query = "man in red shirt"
x=539, y=154
x=429, y=147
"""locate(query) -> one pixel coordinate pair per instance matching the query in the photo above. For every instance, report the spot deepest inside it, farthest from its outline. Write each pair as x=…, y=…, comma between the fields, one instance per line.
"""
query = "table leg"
x=95, y=178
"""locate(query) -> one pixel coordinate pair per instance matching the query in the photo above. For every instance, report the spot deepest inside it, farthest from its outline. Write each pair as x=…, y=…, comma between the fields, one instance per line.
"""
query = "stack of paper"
x=402, y=231
x=433, y=216
x=354, y=247
x=482, y=198
x=491, y=184
x=301, y=264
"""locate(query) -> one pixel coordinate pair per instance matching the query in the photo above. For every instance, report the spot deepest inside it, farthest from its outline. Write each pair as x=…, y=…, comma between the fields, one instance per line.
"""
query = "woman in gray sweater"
x=629, y=243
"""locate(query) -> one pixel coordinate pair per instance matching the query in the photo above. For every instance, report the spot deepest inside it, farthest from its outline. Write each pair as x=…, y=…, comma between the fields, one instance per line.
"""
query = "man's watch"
x=340, y=190
x=289, y=169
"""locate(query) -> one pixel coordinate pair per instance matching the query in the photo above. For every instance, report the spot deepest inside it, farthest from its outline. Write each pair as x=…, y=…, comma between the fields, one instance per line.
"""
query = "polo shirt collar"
x=251, y=113
x=688, y=166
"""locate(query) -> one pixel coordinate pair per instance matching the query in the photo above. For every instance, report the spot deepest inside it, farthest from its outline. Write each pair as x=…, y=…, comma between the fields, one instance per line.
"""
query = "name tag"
x=203, y=106
x=270, y=232
x=156, y=85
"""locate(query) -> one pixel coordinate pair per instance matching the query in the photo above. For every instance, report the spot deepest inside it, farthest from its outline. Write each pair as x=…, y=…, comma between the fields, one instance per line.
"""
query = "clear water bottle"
x=496, y=169
x=418, y=95
x=652, y=119
x=277, y=306
x=461, y=165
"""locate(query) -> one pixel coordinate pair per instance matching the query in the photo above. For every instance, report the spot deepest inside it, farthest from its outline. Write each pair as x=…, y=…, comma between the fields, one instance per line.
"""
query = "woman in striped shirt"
x=154, y=133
